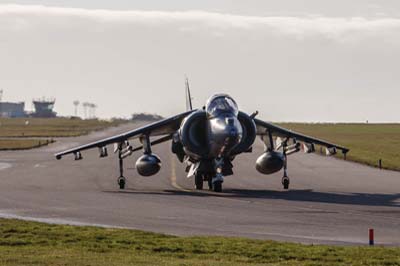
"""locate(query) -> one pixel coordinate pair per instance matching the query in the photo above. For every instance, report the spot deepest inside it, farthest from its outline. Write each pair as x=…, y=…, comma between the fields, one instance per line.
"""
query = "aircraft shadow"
x=306, y=195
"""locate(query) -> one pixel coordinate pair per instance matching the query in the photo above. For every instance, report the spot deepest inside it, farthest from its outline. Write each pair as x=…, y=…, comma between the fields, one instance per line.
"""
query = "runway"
x=330, y=201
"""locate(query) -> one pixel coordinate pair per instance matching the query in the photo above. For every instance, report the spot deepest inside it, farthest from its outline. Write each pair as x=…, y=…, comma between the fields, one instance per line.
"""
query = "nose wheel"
x=216, y=182
x=217, y=186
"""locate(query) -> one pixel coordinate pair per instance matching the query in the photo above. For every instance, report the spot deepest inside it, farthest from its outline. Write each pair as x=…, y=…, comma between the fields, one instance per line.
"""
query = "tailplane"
x=189, y=105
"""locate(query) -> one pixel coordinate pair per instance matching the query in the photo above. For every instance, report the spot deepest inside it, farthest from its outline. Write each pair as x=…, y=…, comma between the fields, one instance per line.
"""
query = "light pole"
x=85, y=110
x=76, y=104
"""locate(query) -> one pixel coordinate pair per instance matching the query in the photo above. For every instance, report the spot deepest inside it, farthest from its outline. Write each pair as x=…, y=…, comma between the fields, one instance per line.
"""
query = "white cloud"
x=19, y=16
x=121, y=59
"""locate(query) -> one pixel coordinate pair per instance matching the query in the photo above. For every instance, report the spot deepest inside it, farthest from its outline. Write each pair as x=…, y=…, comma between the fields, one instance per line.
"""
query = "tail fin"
x=189, y=105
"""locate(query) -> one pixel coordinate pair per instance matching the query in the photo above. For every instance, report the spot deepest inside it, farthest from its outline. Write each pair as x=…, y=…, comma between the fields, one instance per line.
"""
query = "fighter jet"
x=207, y=140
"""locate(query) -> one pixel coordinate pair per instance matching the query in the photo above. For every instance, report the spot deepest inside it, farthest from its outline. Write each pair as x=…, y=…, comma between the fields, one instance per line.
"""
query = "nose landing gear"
x=216, y=182
x=212, y=172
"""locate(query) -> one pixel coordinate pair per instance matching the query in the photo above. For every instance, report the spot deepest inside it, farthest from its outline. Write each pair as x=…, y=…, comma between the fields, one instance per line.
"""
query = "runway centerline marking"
x=173, y=177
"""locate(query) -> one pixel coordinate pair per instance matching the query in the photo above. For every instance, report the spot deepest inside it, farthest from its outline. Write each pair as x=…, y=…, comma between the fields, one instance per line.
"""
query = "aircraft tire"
x=285, y=183
x=121, y=182
x=198, y=180
x=217, y=186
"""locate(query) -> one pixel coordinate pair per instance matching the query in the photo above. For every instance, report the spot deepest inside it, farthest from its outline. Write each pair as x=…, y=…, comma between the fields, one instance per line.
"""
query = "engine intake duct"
x=193, y=135
x=249, y=134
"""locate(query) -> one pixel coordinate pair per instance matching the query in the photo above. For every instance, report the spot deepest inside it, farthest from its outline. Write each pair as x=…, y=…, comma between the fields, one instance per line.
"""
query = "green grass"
x=20, y=133
x=23, y=144
x=367, y=142
x=31, y=243
x=50, y=127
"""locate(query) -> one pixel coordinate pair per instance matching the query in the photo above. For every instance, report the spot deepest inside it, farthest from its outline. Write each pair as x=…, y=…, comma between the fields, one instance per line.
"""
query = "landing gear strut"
x=285, y=182
x=210, y=187
x=216, y=182
x=285, y=178
x=198, y=180
x=121, y=182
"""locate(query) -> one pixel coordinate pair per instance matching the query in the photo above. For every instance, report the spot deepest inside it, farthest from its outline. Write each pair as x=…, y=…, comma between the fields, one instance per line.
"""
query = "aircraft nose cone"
x=226, y=133
x=233, y=130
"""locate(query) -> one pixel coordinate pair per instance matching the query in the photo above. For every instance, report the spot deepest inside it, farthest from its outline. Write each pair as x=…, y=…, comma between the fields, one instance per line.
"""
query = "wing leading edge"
x=161, y=128
x=264, y=128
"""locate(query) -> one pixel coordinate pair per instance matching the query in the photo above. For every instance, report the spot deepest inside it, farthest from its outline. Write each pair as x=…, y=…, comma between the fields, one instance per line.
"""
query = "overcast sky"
x=292, y=60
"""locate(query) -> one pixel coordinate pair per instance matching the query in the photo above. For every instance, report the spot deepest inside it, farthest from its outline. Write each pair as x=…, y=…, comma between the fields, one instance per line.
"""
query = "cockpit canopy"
x=221, y=104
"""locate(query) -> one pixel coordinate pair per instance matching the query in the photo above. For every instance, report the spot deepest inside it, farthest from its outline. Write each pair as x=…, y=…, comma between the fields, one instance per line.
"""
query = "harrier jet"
x=207, y=140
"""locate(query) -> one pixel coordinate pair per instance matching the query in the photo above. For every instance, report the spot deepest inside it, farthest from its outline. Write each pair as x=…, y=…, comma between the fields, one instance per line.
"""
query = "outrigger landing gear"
x=121, y=182
x=121, y=178
x=285, y=178
x=285, y=182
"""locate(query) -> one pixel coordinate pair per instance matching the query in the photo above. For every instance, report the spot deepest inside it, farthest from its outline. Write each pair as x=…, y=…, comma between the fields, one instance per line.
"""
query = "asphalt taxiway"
x=330, y=201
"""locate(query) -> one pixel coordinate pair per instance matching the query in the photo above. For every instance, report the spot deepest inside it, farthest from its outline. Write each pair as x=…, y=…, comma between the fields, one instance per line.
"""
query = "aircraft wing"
x=165, y=127
x=264, y=128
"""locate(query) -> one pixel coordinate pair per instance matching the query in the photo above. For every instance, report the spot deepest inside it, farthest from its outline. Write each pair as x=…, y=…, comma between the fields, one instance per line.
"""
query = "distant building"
x=8, y=109
x=146, y=117
x=44, y=108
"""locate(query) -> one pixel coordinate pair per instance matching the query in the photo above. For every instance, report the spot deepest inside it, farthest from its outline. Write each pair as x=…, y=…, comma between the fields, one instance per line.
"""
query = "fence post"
x=371, y=237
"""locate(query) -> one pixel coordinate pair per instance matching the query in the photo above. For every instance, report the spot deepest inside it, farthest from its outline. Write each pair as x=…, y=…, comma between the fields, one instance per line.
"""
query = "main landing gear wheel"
x=121, y=182
x=198, y=181
x=217, y=186
x=285, y=182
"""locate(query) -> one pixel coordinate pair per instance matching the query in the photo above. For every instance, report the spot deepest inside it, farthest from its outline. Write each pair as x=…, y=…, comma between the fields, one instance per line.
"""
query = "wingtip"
x=58, y=157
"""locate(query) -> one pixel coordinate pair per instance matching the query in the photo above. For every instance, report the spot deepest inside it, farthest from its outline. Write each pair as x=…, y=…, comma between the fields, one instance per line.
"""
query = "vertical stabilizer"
x=189, y=105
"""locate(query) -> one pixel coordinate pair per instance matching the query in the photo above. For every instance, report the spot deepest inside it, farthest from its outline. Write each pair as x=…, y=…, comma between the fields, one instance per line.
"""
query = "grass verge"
x=23, y=144
x=367, y=142
x=51, y=127
x=20, y=133
x=31, y=243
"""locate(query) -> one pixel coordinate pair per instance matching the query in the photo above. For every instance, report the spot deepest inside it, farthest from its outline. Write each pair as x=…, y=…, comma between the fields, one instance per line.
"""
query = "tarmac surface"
x=330, y=201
